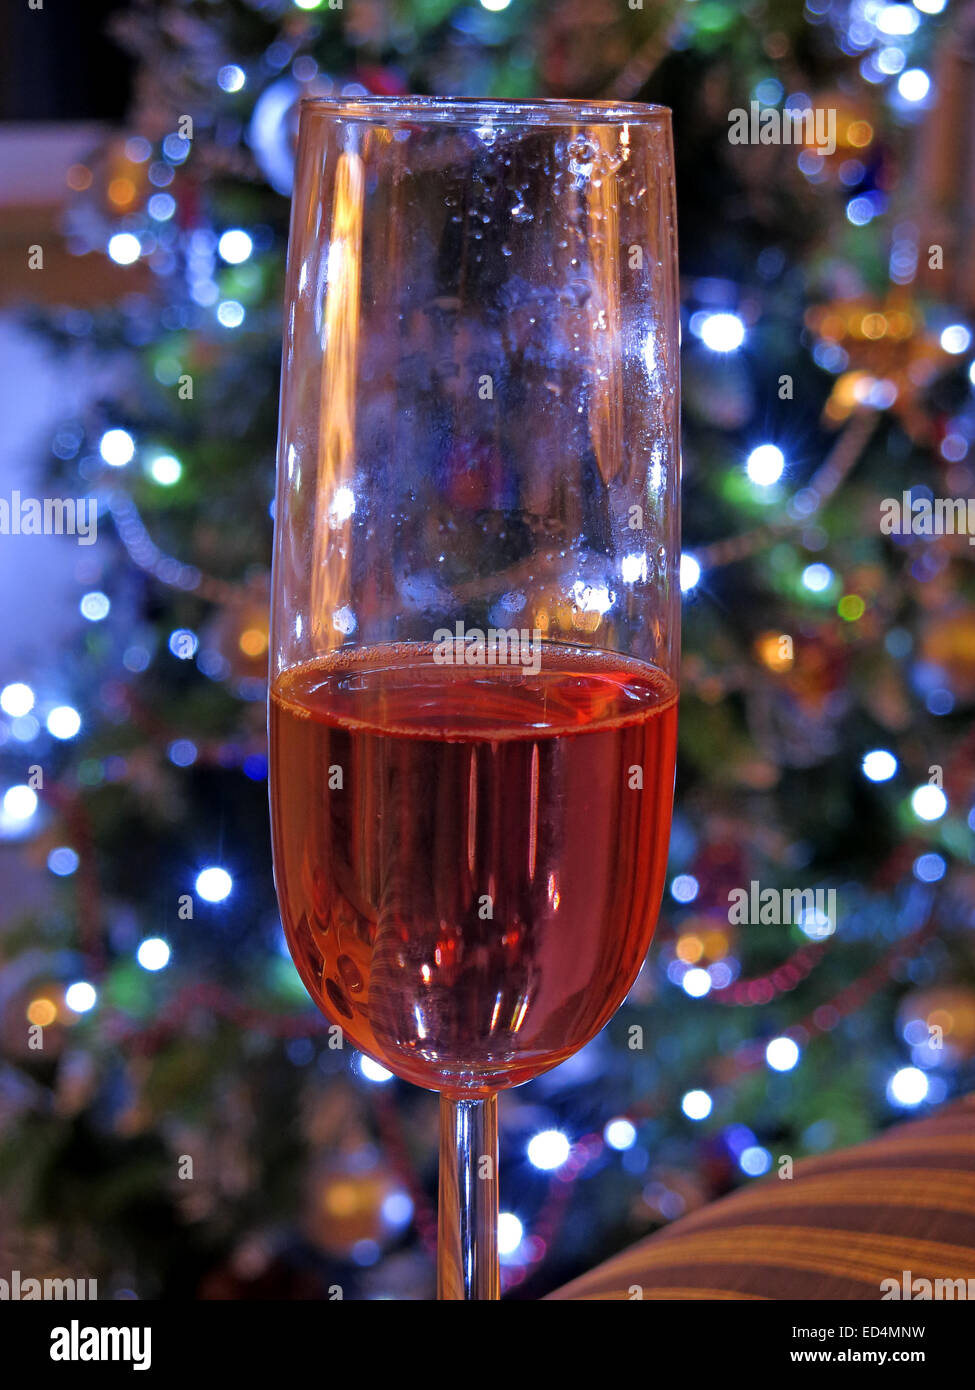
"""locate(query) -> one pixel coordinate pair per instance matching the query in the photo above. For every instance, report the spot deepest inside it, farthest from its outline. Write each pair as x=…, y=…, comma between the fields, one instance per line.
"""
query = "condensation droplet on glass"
x=581, y=148
x=344, y=621
x=576, y=293
x=520, y=213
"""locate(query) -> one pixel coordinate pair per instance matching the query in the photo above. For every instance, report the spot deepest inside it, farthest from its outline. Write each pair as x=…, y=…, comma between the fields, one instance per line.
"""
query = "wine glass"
x=475, y=620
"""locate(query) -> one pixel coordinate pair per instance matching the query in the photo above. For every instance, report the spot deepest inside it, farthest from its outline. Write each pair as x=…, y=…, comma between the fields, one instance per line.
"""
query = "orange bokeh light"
x=41, y=1012
x=121, y=192
x=253, y=642
x=859, y=133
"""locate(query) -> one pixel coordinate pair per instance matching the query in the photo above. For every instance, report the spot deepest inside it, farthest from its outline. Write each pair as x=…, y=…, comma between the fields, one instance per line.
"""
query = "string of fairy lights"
x=206, y=273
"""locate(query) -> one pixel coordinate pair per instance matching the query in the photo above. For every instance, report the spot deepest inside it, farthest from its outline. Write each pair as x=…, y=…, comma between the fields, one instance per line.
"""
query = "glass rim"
x=534, y=111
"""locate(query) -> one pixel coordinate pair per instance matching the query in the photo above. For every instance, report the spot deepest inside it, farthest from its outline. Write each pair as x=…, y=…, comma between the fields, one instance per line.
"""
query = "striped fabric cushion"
x=902, y=1202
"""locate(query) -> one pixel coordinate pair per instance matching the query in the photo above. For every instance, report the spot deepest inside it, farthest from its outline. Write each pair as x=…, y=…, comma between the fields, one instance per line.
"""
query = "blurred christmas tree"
x=829, y=667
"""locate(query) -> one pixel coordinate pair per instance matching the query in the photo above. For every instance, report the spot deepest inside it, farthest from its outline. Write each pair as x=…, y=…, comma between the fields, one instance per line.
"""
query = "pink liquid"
x=468, y=874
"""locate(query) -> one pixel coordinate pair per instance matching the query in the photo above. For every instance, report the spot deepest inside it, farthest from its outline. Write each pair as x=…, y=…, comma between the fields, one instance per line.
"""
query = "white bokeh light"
x=16, y=699
x=80, y=997
x=684, y=888
x=620, y=1134
x=907, y=1087
x=95, y=606
x=510, y=1233
x=956, y=338
x=817, y=577
x=183, y=643
x=755, y=1161
x=765, y=465
x=124, y=248
x=231, y=313
x=782, y=1054
x=914, y=84
x=63, y=722
x=231, y=78
x=898, y=20
x=235, y=246
x=879, y=765
x=214, y=884
x=153, y=953
x=690, y=572
x=549, y=1149
x=116, y=447
x=166, y=469
x=722, y=332
x=696, y=983
x=928, y=802
x=372, y=1071
x=19, y=803
x=697, y=1105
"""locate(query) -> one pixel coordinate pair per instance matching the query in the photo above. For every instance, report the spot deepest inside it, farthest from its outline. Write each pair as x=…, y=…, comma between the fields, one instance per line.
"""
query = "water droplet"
x=582, y=149
x=520, y=213
x=576, y=292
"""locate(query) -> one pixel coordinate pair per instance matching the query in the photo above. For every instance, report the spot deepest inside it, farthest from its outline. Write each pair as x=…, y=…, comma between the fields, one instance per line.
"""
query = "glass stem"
x=467, y=1236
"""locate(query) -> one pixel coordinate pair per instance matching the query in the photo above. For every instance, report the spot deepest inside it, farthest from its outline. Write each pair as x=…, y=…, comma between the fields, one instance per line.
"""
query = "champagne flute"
x=475, y=614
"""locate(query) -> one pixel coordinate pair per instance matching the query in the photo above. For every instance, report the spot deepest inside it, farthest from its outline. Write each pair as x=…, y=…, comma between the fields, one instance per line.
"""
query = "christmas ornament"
x=239, y=633
x=671, y=1193
x=889, y=358
x=946, y=1016
x=353, y=1198
x=948, y=642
